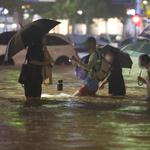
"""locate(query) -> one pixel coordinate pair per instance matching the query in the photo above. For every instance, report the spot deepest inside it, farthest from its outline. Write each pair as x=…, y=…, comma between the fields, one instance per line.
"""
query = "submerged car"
x=59, y=46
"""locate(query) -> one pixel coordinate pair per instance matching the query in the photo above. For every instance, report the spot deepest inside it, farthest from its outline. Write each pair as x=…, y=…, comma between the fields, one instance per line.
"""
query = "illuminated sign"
x=148, y=14
x=130, y=12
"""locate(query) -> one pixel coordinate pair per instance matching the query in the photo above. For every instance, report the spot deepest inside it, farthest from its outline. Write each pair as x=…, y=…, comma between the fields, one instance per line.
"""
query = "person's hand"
x=48, y=61
x=101, y=87
x=74, y=59
x=140, y=78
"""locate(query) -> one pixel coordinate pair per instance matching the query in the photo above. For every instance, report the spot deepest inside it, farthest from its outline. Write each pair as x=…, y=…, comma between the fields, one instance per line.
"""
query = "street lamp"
x=144, y=10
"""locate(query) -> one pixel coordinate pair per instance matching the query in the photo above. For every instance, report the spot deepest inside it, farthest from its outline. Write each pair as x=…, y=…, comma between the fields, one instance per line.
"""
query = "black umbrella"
x=27, y=35
x=124, y=58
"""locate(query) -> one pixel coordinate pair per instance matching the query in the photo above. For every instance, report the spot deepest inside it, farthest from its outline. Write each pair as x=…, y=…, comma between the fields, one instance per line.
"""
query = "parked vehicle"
x=80, y=47
x=109, y=39
x=77, y=39
x=59, y=46
x=132, y=40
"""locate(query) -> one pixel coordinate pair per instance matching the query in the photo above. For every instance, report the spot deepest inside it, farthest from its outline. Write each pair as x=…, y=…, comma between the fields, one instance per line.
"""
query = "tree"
x=90, y=8
x=67, y=9
x=16, y=5
x=13, y=5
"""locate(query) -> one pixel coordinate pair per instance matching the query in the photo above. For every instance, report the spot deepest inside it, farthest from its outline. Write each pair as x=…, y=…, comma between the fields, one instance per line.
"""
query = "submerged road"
x=62, y=122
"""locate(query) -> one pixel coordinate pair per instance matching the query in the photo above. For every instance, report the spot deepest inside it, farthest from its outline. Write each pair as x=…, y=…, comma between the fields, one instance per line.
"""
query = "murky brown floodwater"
x=63, y=122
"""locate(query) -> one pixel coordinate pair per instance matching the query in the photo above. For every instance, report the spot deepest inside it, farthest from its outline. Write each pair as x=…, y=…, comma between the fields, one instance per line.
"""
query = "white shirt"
x=148, y=82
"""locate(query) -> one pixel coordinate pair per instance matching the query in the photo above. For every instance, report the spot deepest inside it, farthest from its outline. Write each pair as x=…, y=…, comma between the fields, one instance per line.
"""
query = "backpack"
x=104, y=67
x=102, y=72
x=80, y=72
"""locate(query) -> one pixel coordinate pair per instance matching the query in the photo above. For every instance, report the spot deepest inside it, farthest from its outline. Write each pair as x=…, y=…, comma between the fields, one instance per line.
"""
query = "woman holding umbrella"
x=31, y=36
x=116, y=81
x=35, y=57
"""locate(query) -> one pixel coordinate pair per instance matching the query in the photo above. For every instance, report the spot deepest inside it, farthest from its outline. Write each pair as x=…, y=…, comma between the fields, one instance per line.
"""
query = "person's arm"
x=39, y=63
x=90, y=65
x=87, y=67
x=51, y=58
x=101, y=87
x=141, y=79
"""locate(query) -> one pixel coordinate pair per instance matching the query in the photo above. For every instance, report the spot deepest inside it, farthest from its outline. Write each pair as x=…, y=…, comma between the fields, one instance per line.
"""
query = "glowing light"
x=23, y=7
x=54, y=52
x=80, y=12
x=14, y=25
x=136, y=19
x=5, y=12
x=145, y=2
x=2, y=25
x=130, y=11
x=28, y=6
x=26, y=16
x=62, y=63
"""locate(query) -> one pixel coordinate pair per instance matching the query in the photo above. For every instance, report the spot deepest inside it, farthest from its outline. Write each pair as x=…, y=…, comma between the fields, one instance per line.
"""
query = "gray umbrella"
x=124, y=58
x=27, y=35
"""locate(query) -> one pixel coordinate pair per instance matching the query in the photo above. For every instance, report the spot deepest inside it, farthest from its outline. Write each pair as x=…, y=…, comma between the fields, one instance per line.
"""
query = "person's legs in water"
x=33, y=91
x=84, y=91
x=32, y=98
x=77, y=93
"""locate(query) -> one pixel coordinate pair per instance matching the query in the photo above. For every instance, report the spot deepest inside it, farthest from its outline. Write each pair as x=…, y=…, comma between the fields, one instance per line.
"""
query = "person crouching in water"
x=115, y=80
x=144, y=61
x=90, y=86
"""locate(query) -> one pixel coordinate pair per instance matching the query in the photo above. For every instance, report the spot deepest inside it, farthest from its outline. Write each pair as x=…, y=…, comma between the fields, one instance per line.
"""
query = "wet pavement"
x=62, y=122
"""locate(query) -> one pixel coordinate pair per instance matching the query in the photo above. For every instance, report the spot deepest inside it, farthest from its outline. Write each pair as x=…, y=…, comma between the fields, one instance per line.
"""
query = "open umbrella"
x=124, y=58
x=146, y=33
x=27, y=35
x=137, y=48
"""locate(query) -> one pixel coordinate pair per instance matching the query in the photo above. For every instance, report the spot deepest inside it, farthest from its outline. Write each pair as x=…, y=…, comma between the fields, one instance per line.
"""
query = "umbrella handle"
x=138, y=82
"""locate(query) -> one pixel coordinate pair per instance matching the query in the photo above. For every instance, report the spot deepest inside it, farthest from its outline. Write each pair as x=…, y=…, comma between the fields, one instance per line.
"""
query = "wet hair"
x=145, y=58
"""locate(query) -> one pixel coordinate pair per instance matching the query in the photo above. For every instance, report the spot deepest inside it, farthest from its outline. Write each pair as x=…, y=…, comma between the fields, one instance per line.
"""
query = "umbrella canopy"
x=140, y=47
x=27, y=35
x=124, y=58
x=146, y=33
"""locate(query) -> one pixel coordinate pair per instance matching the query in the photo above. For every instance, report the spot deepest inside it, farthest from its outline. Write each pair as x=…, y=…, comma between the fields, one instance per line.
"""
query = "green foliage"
x=12, y=5
x=64, y=9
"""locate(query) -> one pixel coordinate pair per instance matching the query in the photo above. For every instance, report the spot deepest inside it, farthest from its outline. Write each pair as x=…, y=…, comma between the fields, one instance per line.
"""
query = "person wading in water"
x=35, y=57
x=90, y=86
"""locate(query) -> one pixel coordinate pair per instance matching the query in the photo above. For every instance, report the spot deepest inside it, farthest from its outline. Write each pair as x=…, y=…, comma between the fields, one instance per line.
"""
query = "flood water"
x=62, y=122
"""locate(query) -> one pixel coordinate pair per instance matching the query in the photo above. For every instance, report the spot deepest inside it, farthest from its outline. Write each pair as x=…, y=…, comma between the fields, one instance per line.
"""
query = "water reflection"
x=63, y=122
